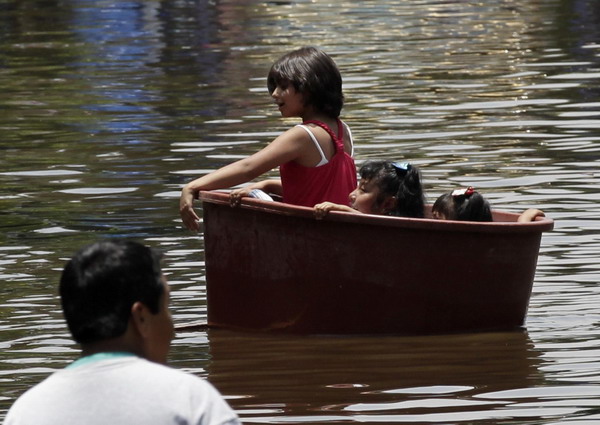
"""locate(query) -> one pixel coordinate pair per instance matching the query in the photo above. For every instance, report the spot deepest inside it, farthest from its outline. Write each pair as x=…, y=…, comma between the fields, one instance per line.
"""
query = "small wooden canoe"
x=271, y=266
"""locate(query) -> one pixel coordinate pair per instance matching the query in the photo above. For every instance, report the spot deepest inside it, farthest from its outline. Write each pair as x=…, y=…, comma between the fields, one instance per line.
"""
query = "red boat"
x=271, y=266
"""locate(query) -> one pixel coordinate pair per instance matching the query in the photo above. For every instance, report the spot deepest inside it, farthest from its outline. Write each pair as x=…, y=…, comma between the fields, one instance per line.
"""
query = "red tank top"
x=331, y=182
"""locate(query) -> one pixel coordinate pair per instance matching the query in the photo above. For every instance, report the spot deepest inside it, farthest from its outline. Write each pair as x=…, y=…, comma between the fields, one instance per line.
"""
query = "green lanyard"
x=92, y=358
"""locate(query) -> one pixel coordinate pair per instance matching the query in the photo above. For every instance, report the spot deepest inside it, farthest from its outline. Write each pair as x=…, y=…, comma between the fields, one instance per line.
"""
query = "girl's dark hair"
x=402, y=180
x=100, y=284
x=314, y=74
x=468, y=205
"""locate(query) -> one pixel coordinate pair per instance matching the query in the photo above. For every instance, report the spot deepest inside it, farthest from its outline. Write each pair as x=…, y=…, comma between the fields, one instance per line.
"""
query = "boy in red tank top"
x=315, y=158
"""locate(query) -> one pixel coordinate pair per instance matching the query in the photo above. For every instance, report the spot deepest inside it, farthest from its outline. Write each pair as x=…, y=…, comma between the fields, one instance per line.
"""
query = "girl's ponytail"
x=473, y=208
x=462, y=205
x=410, y=199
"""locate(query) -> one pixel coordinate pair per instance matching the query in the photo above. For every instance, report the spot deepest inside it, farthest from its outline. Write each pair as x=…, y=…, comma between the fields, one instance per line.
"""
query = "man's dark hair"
x=100, y=284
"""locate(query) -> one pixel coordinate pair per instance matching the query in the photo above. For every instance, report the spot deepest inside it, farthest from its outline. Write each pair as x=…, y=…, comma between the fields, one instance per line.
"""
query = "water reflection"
x=323, y=379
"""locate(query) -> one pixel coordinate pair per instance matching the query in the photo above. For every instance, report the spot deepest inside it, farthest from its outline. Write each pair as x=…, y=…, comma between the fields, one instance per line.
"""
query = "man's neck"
x=118, y=345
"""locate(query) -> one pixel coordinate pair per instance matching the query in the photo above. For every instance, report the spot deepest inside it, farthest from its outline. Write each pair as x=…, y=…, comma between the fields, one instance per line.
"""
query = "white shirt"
x=121, y=391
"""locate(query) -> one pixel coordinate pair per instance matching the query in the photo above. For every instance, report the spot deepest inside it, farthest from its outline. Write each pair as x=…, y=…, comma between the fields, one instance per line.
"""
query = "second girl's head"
x=462, y=205
x=389, y=188
x=313, y=74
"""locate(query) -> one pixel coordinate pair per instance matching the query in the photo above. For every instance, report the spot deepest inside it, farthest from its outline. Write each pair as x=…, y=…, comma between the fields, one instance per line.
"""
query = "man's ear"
x=140, y=318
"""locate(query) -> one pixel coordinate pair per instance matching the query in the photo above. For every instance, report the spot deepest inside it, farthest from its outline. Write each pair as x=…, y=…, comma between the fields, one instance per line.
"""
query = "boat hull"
x=274, y=267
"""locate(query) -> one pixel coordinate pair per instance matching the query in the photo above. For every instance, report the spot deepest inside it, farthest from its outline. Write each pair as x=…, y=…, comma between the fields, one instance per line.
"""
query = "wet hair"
x=463, y=205
x=402, y=180
x=100, y=284
x=313, y=73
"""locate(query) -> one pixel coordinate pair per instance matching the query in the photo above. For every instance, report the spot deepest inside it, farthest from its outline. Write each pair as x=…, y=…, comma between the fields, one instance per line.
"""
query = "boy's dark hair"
x=402, y=180
x=100, y=284
x=313, y=73
x=467, y=206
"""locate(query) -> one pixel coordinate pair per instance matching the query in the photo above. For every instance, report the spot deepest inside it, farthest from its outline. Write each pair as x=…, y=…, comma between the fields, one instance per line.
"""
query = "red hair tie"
x=464, y=192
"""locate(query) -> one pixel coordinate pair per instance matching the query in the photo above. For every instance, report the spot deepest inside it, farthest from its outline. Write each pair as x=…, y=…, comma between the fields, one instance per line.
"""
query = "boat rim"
x=505, y=222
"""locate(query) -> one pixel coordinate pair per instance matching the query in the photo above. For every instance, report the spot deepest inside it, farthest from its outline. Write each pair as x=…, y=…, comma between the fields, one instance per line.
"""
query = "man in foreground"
x=115, y=301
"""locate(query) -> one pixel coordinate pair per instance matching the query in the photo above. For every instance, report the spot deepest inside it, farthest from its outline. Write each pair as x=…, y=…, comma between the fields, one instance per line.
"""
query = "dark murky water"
x=108, y=107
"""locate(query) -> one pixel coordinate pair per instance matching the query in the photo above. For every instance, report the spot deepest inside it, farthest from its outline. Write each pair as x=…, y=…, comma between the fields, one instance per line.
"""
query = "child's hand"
x=323, y=208
x=530, y=215
x=188, y=215
x=236, y=195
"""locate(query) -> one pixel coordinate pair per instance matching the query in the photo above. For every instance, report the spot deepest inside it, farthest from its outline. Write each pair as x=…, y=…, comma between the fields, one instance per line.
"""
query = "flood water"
x=108, y=107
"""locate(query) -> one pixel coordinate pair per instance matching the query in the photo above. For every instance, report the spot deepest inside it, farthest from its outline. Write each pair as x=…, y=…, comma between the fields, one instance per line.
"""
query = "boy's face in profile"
x=161, y=329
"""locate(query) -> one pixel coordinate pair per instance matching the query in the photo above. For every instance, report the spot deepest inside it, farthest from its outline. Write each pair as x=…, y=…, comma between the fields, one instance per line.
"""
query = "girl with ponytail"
x=469, y=205
x=385, y=188
x=462, y=205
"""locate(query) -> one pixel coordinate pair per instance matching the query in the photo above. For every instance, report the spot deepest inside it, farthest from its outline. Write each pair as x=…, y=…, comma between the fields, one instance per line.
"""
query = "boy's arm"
x=269, y=186
x=272, y=186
